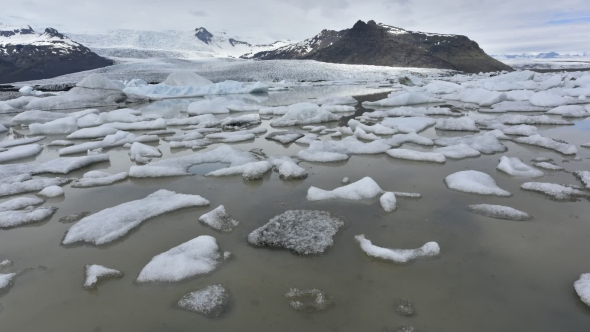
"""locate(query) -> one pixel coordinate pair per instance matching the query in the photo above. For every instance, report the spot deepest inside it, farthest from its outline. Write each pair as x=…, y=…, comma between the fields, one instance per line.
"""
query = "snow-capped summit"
x=26, y=55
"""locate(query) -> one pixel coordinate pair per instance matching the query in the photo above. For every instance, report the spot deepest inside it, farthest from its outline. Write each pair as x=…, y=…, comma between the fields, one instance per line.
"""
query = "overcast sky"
x=499, y=26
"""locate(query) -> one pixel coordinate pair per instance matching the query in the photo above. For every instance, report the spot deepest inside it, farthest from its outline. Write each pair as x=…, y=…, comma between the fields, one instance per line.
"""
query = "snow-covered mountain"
x=173, y=43
x=547, y=55
x=26, y=55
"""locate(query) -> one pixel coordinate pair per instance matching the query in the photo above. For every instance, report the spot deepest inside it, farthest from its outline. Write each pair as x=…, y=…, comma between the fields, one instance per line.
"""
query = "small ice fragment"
x=582, y=287
x=211, y=301
x=498, y=212
x=51, y=191
x=515, y=167
x=388, y=201
x=219, y=219
x=553, y=190
x=365, y=188
x=475, y=182
x=430, y=249
x=309, y=300
x=345, y=180
x=413, y=155
x=95, y=273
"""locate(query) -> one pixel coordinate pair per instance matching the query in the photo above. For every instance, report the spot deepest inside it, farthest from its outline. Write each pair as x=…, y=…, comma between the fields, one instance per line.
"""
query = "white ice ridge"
x=548, y=143
x=582, y=287
x=515, y=167
x=554, y=190
x=219, y=219
x=20, y=203
x=330, y=151
x=98, y=178
x=430, y=249
x=413, y=155
x=180, y=166
x=498, y=212
x=198, y=256
x=365, y=188
x=475, y=182
x=94, y=273
x=21, y=141
x=409, y=124
x=112, y=223
x=549, y=166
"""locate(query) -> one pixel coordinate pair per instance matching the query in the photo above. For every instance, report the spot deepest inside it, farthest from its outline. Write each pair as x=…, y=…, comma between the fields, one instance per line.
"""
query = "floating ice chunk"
x=124, y=115
x=180, y=166
x=98, y=178
x=410, y=124
x=411, y=111
x=547, y=99
x=548, y=143
x=288, y=170
x=315, y=129
x=219, y=219
x=20, y=203
x=409, y=98
x=4, y=264
x=309, y=300
x=516, y=119
x=404, y=308
x=538, y=159
x=552, y=82
x=284, y=137
x=406, y=154
x=459, y=151
x=483, y=143
x=494, y=98
x=211, y=301
x=201, y=121
x=29, y=117
x=200, y=255
x=549, y=166
x=23, y=184
x=304, y=232
x=388, y=201
x=398, y=140
x=19, y=152
x=442, y=87
x=582, y=287
x=65, y=165
x=59, y=126
x=514, y=106
x=482, y=97
x=430, y=249
x=15, y=218
x=92, y=132
x=365, y=188
x=295, y=108
x=139, y=150
x=520, y=130
x=303, y=116
x=95, y=273
x=375, y=129
x=112, y=223
x=346, y=100
x=519, y=95
x=320, y=151
x=21, y=141
x=407, y=195
x=51, y=191
x=168, y=91
x=141, y=125
x=475, y=182
x=186, y=78
x=231, y=137
x=570, y=111
x=361, y=134
x=515, y=167
x=249, y=171
x=207, y=107
x=118, y=139
x=553, y=190
x=6, y=280
x=498, y=212
x=61, y=143
x=241, y=121
x=186, y=136
x=584, y=177
x=457, y=124
x=345, y=181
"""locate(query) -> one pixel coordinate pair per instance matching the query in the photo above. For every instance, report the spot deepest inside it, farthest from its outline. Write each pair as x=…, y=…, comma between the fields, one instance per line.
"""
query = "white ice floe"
x=21, y=141
x=25, y=183
x=6, y=280
x=409, y=124
x=570, y=111
x=210, y=301
x=201, y=121
x=365, y=188
x=169, y=91
x=459, y=151
x=20, y=152
x=456, y=124
x=377, y=129
x=485, y=144
x=582, y=287
x=520, y=130
x=190, y=135
x=15, y=218
x=554, y=190
x=549, y=166
x=361, y=134
x=304, y=232
x=430, y=249
x=118, y=139
x=219, y=219
x=498, y=212
x=388, y=201
x=406, y=154
x=30, y=117
x=514, y=106
x=403, y=99
x=180, y=166
x=123, y=115
x=407, y=195
x=482, y=97
x=584, y=177
x=282, y=110
x=239, y=122
x=20, y=203
x=139, y=151
x=284, y=137
x=215, y=106
x=95, y=273
x=98, y=178
x=515, y=167
x=92, y=132
x=517, y=119
x=548, y=143
x=51, y=191
x=159, y=123
x=398, y=140
x=345, y=180
x=304, y=116
x=60, y=126
x=548, y=99
x=330, y=151
x=287, y=168
x=475, y=182
x=346, y=100
x=411, y=111
x=200, y=255
x=249, y=171
x=112, y=223
x=65, y=165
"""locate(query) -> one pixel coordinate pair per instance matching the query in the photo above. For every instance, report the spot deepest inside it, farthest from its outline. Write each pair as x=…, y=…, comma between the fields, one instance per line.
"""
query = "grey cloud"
x=199, y=13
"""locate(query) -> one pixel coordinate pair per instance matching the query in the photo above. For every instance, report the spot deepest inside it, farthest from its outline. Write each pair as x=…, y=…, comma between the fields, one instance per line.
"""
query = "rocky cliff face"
x=379, y=44
x=25, y=55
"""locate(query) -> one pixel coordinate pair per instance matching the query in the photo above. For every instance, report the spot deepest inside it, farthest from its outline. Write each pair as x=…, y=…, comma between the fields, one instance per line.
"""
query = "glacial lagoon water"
x=492, y=275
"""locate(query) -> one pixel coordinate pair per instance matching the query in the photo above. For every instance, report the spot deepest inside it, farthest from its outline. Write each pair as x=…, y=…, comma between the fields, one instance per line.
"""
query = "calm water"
x=492, y=275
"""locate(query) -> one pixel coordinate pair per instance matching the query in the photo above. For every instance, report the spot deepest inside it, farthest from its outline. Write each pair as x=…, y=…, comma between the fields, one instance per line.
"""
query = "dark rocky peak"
x=203, y=35
x=11, y=31
x=234, y=42
x=51, y=32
